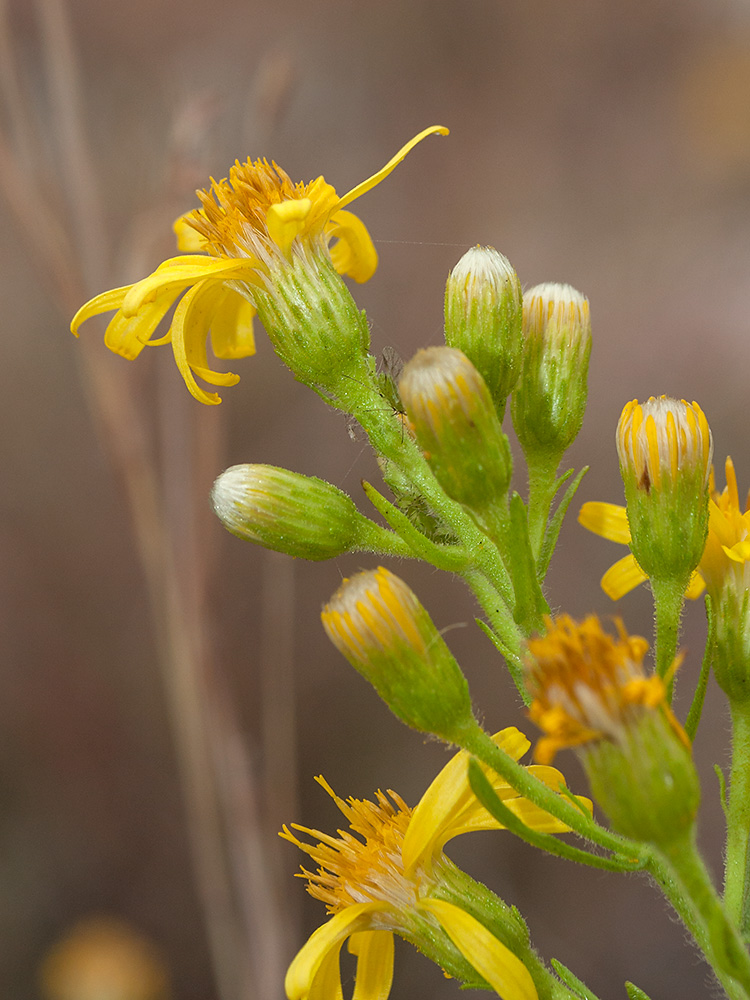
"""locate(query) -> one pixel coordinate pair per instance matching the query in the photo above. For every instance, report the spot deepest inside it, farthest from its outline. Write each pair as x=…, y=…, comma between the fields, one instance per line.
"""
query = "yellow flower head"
x=249, y=226
x=727, y=553
x=588, y=685
x=726, y=556
x=383, y=875
x=657, y=441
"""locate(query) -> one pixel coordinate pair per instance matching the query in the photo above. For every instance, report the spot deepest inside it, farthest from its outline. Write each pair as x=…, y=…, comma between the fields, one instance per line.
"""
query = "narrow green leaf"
x=635, y=992
x=555, y=522
x=530, y=603
x=572, y=982
x=696, y=707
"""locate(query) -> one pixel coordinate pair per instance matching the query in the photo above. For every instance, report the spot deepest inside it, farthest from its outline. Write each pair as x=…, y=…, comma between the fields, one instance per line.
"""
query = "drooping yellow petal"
x=305, y=965
x=180, y=273
x=447, y=796
x=623, y=577
x=105, y=302
x=610, y=520
x=326, y=984
x=374, y=977
x=232, y=327
x=354, y=253
x=190, y=324
x=371, y=182
x=505, y=973
x=286, y=220
x=128, y=335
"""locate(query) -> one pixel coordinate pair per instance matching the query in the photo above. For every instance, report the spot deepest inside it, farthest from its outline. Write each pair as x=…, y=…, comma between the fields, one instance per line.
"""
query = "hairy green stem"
x=738, y=815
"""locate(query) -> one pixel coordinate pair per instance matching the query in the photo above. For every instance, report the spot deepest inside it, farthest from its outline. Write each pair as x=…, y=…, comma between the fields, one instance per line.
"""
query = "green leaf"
x=572, y=982
x=555, y=522
x=696, y=707
x=530, y=603
x=635, y=992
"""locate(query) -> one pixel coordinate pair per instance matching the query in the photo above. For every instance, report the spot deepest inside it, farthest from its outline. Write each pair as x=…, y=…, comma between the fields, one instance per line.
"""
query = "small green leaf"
x=555, y=522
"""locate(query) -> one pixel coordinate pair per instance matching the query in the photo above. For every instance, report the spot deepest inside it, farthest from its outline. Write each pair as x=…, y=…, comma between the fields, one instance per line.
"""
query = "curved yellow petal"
x=103, y=303
x=190, y=324
x=181, y=274
x=232, y=327
x=286, y=220
x=128, y=335
x=623, y=577
x=374, y=977
x=307, y=962
x=695, y=587
x=371, y=182
x=447, y=796
x=738, y=553
x=354, y=253
x=326, y=984
x=505, y=973
x=610, y=520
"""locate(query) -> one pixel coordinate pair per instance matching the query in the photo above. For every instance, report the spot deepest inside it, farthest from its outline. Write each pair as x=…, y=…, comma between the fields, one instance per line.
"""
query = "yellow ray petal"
x=505, y=973
x=190, y=323
x=623, y=577
x=103, y=303
x=189, y=240
x=308, y=960
x=354, y=253
x=371, y=182
x=695, y=587
x=610, y=520
x=447, y=796
x=374, y=951
x=232, y=327
x=181, y=274
x=326, y=984
x=286, y=220
x=128, y=335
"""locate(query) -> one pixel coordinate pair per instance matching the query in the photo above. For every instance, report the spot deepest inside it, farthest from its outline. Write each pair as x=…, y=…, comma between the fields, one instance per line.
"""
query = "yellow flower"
x=384, y=877
x=726, y=554
x=589, y=686
x=249, y=226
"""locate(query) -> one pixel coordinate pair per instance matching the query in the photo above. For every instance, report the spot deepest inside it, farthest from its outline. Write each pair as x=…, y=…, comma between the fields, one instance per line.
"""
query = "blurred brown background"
x=602, y=144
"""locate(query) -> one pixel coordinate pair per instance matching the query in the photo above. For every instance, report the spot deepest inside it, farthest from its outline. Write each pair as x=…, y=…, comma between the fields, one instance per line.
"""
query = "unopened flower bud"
x=592, y=692
x=299, y=515
x=456, y=424
x=549, y=400
x=483, y=314
x=665, y=449
x=379, y=625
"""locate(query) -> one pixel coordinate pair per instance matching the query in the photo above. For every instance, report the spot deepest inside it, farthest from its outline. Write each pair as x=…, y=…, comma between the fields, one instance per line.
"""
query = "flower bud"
x=456, y=424
x=483, y=314
x=665, y=448
x=299, y=515
x=591, y=691
x=379, y=625
x=550, y=398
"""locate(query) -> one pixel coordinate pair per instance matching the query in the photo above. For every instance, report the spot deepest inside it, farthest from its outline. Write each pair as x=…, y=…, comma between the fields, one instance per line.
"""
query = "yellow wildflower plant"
x=385, y=877
x=727, y=548
x=249, y=228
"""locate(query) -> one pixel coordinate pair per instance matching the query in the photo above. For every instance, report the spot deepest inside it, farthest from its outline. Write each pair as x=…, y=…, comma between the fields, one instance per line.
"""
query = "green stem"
x=738, y=815
x=389, y=439
x=502, y=622
x=679, y=870
x=669, y=596
x=542, y=488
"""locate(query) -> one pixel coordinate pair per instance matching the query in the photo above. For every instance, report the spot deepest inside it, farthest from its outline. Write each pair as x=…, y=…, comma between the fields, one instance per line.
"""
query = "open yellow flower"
x=385, y=877
x=249, y=227
x=588, y=685
x=727, y=550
